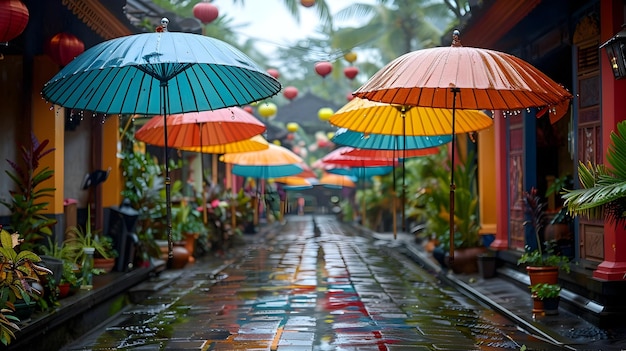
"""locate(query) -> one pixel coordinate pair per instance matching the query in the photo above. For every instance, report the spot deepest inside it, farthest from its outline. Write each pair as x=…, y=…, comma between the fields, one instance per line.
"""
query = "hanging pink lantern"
x=205, y=12
x=13, y=19
x=323, y=68
x=63, y=48
x=350, y=72
x=248, y=109
x=273, y=72
x=349, y=96
x=290, y=92
x=307, y=3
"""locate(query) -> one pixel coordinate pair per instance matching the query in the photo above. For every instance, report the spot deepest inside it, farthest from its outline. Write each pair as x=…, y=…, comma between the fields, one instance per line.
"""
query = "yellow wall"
x=112, y=188
x=487, y=181
x=49, y=124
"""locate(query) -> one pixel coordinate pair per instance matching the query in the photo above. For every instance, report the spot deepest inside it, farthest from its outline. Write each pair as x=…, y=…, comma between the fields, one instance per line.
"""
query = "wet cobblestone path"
x=312, y=286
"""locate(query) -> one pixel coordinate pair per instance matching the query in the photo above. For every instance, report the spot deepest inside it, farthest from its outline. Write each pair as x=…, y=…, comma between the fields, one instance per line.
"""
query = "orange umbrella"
x=256, y=143
x=458, y=77
x=274, y=155
x=336, y=180
x=199, y=129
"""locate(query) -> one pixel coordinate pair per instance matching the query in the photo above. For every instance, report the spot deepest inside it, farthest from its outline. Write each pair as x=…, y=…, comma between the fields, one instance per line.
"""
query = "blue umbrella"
x=160, y=74
x=360, y=140
x=361, y=172
x=266, y=171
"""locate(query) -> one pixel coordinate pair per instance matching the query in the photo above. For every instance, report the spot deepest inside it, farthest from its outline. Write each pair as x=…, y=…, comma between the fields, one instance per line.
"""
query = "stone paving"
x=309, y=285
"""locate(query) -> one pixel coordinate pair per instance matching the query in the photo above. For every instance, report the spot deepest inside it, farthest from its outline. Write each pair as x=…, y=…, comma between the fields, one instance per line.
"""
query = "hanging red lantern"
x=273, y=72
x=307, y=3
x=349, y=96
x=350, y=72
x=290, y=92
x=13, y=19
x=323, y=68
x=248, y=109
x=63, y=48
x=205, y=12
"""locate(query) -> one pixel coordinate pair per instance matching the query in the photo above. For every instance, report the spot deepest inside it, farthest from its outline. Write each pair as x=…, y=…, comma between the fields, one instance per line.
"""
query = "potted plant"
x=20, y=274
x=549, y=295
x=542, y=262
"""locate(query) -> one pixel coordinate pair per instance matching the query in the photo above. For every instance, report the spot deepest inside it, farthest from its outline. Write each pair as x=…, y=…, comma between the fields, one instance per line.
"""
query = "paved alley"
x=307, y=285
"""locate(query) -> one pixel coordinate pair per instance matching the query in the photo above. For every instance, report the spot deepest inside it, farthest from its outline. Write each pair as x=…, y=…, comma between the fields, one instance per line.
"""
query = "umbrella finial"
x=163, y=26
x=456, y=42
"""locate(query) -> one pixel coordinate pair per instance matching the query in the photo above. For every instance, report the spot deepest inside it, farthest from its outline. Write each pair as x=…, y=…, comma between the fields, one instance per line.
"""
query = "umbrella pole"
x=393, y=192
x=403, y=168
x=455, y=91
x=168, y=189
x=204, y=209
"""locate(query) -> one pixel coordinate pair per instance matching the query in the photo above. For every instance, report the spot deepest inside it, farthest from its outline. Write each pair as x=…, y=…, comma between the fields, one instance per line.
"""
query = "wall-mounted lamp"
x=616, y=51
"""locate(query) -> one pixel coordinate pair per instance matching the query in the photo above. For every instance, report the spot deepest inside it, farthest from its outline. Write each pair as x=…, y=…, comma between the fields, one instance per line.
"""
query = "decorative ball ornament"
x=330, y=135
x=349, y=96
x=205, y=12
x=307, y=3
x=276, y=142
x=13, y=19
x=290, y=92
x=350, y=56
x=325, y=113
x=273, y=72
x=350, y=72
x=292, y=127
x=248, y=109
x=290, y=136
x=267, y=109
x=63, y=48
x=323, y=68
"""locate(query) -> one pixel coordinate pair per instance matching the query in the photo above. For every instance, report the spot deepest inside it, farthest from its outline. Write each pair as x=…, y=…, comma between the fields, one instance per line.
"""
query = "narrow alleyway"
x=309, y=285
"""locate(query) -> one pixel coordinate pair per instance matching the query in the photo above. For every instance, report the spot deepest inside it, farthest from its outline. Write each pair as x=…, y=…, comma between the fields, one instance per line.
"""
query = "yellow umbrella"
x=256, y=143
x=293, y=181
x=367, y=116
x=336, y=180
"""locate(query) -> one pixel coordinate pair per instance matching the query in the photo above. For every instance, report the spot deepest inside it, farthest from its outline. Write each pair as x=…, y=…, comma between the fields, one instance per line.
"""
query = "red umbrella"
x=391, y=154
x=458, y=77
x=340, y=157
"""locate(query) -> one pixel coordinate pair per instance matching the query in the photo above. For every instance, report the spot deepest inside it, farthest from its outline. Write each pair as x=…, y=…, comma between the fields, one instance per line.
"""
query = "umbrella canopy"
x=336, y=181
x=256, y=143
x=160, y=74
x=361, y=140
x=199, y=129
x=458, y=77
x=273, y=162
x=339, y=157
x=125, y=76
x=367, y=116
x=484, y=80
x=293, y=181
x=392, y=154
x=361, y=172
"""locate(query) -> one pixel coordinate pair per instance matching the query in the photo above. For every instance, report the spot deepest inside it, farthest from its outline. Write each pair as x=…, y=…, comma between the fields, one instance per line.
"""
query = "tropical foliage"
x=27, y=200
x=603, y=187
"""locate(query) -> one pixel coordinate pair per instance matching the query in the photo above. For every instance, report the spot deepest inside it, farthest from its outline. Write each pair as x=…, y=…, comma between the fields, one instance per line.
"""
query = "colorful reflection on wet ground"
x=309, y=286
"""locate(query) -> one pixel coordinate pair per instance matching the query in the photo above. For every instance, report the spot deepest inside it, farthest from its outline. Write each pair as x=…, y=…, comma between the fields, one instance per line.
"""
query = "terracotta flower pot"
x=540, y=274
x=106, y=264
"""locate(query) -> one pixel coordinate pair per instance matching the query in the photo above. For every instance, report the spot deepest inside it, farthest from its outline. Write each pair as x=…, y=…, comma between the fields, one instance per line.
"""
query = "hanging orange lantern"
x=325, y=113
x=63, y=48
x=205, y=12
x=290, y=92
x=307, y=3
x=350, y=72
x=323, y=68
x=273, y=72
x=350, y=56
x=13, y=19
x=292, y=127
x=267, y=109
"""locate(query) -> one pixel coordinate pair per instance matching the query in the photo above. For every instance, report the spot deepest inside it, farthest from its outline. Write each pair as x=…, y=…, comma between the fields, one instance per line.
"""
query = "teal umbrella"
x=361, y=172
x=266, y=171
x=361, y=140
x=160, y=73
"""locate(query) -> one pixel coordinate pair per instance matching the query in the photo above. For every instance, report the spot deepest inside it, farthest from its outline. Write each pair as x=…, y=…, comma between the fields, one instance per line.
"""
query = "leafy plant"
x=603, y=188
x=537, y=258
x=27, y=202
x=78, y=238
x=18, y=272
x=545, y=291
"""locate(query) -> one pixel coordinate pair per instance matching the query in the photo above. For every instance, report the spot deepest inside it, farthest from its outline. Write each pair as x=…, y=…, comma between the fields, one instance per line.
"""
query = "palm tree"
x=603, y=188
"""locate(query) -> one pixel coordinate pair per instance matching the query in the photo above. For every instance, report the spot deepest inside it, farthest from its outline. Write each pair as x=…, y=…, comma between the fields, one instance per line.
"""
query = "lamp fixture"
x=616, y=51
